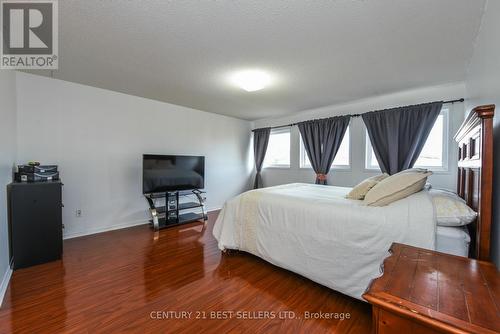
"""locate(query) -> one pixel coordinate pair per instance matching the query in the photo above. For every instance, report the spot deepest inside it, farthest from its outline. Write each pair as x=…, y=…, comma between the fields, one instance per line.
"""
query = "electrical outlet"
x=78, y=213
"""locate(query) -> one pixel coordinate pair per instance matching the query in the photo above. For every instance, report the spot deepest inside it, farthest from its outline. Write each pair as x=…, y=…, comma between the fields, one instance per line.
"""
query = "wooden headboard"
x=475, y=175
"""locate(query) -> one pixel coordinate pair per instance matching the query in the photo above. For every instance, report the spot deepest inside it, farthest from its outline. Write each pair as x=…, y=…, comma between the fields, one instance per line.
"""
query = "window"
x=342, y=159
x=278, y=149
x=435, y=152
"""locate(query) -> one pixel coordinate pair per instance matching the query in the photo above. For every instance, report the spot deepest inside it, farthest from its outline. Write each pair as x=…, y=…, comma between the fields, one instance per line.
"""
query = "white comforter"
x=315, y=231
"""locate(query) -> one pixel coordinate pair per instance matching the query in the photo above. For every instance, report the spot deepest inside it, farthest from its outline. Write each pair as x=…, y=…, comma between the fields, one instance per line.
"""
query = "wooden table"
x=423, y=291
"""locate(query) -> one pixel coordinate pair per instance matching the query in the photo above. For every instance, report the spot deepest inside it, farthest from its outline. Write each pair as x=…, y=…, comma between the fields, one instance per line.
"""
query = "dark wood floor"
x=125, y=280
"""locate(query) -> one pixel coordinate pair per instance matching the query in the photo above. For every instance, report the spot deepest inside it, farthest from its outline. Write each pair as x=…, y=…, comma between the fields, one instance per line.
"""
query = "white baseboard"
x=112, y=228
x=103, y=229
x=5, y=284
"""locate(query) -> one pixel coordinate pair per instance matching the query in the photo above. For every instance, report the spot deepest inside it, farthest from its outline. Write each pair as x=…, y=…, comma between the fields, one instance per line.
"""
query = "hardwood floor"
x=134, y=280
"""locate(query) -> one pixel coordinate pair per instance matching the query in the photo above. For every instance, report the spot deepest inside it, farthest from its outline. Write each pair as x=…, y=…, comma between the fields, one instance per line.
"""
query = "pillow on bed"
x=359, y=192
x=396, y=187
x=451, y=210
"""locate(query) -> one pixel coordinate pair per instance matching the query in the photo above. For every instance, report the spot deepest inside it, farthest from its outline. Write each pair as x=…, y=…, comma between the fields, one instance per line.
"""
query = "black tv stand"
x=175, y=211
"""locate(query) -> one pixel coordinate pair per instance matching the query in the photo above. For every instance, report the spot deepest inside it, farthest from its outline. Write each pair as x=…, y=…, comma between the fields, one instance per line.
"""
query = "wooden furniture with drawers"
x=423, y=291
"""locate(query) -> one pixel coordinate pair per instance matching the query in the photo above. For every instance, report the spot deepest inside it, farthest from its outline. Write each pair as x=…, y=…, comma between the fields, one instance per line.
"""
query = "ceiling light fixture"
x=251, y=80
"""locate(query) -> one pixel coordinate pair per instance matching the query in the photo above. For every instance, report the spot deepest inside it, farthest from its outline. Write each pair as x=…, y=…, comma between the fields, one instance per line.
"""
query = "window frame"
x=444, y=168
x=303, y=154
x=280, y=166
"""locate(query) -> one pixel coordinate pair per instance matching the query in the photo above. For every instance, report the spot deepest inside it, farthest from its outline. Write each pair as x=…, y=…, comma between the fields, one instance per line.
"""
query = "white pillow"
x=451, y=210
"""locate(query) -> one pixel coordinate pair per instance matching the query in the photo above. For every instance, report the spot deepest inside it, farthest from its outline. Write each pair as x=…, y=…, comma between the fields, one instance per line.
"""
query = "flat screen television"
x=162, y=173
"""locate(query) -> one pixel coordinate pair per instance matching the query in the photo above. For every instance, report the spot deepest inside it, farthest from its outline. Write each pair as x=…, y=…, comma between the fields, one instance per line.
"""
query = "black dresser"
x=35, y=223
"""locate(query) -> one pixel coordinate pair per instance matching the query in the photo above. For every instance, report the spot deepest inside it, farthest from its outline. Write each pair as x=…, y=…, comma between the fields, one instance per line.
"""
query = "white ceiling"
x=323, y=52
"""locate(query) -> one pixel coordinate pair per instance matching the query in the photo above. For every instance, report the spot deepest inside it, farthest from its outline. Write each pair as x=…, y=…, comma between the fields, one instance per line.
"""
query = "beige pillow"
x=413, y=170
x=359, y=191
x=396, y=187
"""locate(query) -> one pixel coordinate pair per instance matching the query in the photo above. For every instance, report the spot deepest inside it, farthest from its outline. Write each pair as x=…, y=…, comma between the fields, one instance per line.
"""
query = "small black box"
x=36, y=177
x=37, y=169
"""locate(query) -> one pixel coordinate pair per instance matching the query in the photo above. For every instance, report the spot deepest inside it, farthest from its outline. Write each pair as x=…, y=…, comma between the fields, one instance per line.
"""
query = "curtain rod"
x=356, y=115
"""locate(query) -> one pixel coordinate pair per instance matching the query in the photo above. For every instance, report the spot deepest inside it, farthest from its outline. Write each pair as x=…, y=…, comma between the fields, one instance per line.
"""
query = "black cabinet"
x=35, y=223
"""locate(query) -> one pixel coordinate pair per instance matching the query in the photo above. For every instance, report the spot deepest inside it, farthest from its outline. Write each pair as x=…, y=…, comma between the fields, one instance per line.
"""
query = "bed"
x=316, y=232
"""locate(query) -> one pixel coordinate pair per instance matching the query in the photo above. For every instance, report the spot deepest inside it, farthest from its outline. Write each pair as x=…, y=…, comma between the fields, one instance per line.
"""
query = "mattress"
x=316, y=232
x=453, y=240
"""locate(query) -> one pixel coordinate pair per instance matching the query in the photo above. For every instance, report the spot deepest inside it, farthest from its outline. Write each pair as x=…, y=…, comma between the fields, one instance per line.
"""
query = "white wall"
x=483, y=87
x=357, y=172
x=97, y=137
x=7, y=159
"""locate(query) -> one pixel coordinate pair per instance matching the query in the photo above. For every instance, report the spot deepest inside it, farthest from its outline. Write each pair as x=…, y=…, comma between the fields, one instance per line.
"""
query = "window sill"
x=372, y=170
x=277, y=167
x=439, y=171
x=434, y=170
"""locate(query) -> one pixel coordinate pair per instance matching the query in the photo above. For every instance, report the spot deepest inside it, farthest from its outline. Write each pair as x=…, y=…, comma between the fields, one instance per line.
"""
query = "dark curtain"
x=398, y=135
x=260, y=141
x=322, y=139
